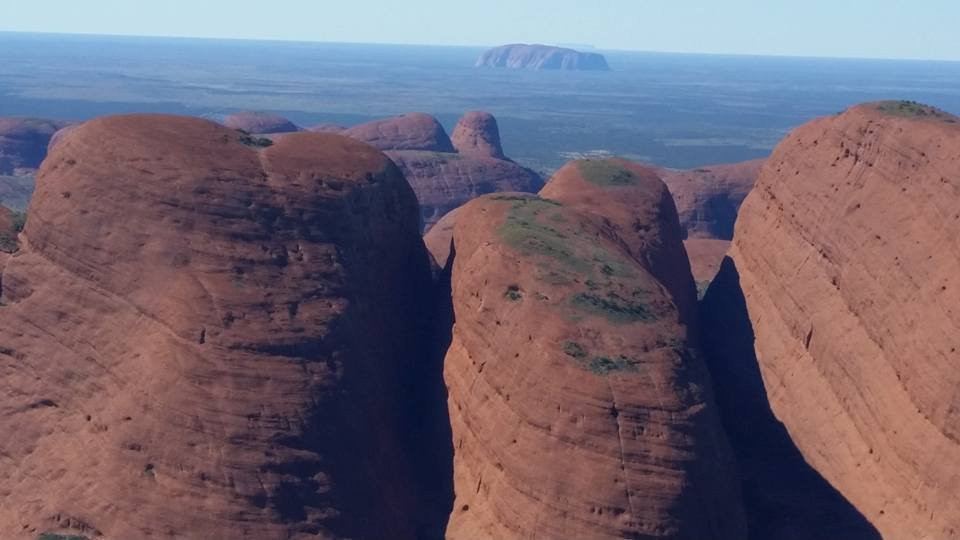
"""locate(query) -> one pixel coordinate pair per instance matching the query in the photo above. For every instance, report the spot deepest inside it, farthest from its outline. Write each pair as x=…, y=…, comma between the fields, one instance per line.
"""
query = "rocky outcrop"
x=578, y=406
x=207, y=339
x=260, y=123
x=477, y=133
x=439, y=238
x=708, y=198
x=840, y=301
x=523, y=56
x=23, y=142
x=444, y=181
x=442, y=176
x=23, y=145
x=705, y=256
x=414, y=131
x=629, y=202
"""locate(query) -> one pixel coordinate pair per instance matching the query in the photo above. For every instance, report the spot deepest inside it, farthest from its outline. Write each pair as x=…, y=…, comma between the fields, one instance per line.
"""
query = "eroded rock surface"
x=578, y=405
x=444, y=181
x=477, y=133
x=629, y=202
x=204, y=339
x=414, y=131
x=845, y=265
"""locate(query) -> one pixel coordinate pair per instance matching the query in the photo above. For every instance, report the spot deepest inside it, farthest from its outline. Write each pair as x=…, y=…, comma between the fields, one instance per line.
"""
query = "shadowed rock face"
x=477, y=134
x=578, y=405
x=522, y=56
x=260, y=123
x=846, y=260
x=414, y=131
x=23, y=142
x=203, y=339
x=708, y=198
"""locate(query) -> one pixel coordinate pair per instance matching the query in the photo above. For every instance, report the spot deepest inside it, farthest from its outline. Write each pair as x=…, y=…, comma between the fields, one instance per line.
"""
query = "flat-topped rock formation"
x=840, y=300
x=260, y=123
x=523, y=56
x=206, y=338
x=578, y=406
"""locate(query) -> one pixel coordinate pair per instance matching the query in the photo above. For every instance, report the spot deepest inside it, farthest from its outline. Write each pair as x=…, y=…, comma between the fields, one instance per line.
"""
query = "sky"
x=902, y=29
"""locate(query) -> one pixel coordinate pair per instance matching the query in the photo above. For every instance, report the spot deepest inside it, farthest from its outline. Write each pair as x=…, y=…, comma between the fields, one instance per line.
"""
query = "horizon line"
x=587, y=48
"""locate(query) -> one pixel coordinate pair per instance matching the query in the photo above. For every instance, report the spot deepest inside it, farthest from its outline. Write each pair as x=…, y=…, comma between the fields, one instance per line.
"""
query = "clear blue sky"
x=849, y=28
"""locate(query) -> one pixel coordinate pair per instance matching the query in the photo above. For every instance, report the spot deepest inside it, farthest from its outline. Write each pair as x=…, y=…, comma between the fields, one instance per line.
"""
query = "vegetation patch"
x=574, y=350
x=702, y=287
x=612, y=307
x=526, y=199
x=54, y=536
x=525, y=233
x=912, y=109
x=252, y=141
x=606, y=172
x=514, y=293
x=8, y=239
x=19, y=220
x=605, y=365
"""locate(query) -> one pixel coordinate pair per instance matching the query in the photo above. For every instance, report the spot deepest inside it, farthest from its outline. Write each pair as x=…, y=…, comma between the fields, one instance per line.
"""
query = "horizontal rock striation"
x=207, y=339
x=843, y=278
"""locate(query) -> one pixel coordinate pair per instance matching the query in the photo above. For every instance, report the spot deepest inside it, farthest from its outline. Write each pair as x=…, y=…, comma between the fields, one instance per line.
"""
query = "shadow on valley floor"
x=785, y=498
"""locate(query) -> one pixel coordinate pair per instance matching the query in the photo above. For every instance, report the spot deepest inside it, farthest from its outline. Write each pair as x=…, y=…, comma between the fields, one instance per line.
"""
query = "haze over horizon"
x=820, y=28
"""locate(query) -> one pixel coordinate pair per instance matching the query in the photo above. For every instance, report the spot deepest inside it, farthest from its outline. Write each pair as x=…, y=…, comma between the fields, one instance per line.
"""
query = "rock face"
x=23, y=142
x=440, y=236
x=708, y=198
x=196, y=358
x=522, y=56
x=445, y=181
x=260, y=123
x=442, y=177
x=844, y=277
x=577, y=404
x=477, y=133
x=705, y=256
x=630, y=202
x=414, y=131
